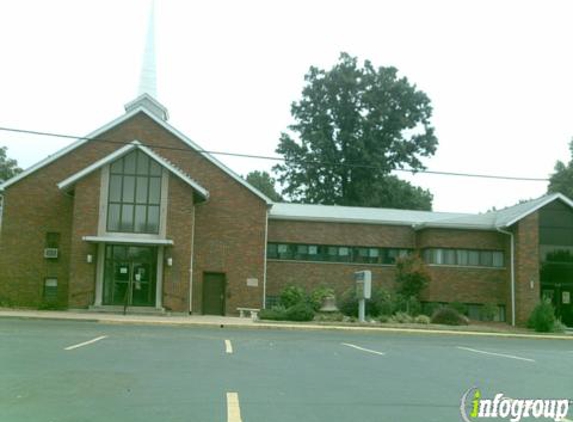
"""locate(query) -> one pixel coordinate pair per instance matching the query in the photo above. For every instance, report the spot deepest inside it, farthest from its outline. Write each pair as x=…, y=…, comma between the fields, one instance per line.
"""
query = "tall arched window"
x=134, y=194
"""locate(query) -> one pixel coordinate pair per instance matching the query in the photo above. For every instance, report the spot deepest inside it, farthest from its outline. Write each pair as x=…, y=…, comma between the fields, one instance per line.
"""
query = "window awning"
x=136, y=240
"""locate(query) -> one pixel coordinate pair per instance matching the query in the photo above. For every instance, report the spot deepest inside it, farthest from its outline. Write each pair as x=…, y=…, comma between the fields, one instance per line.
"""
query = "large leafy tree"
x=263, y=181
x=8, y=166
x=562, y=180
x=353, y=126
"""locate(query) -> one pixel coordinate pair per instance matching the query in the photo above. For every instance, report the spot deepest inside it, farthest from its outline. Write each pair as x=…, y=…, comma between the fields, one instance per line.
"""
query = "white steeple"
x=147, y=91
x=148, y=77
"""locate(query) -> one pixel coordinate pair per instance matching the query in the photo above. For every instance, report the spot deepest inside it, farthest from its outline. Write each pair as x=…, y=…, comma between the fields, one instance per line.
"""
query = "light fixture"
x=89, y=258
x=169, y=262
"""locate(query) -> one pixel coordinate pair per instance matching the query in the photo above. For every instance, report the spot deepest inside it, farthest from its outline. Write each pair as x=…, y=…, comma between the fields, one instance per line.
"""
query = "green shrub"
x=384, y=318
x=460, y=307
x=382, y=302
x=422, y=319
x=542, y=318
x=430, y=307
x=413, y=306
x=412, y=276
x=488, y=312
x=317, y=296
x=329, y=317
x=448, y=316
x=276, y=313
x=401, y=318
x=348, y=303
x=6, y=302
x=292, y=295
x=300, y=312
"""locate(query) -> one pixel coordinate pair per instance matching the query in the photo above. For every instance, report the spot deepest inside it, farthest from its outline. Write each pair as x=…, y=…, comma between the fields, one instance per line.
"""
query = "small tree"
x=263, y=181
x=412, y=277
x=8, y=166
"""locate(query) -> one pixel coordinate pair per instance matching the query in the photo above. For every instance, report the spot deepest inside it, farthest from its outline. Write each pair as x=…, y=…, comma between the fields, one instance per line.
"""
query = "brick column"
x=526, y=266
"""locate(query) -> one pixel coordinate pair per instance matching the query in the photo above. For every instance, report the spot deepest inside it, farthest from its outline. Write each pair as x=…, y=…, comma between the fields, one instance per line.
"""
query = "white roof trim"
x=550, y=198
x=70, y=181
x=127, y=239
x=120, y=120
x=337, y=220
x=76, y=144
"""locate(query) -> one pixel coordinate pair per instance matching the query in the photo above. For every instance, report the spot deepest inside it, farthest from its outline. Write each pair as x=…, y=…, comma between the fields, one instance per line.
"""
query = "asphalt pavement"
x=73, y=371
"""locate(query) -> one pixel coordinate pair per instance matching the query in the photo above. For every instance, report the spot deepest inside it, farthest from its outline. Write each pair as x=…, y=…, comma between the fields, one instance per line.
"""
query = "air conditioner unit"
x=51, y=253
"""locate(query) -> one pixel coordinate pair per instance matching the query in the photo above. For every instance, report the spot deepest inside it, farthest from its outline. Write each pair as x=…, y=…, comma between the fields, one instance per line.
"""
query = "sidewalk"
x=236, y=322
x=118, y=318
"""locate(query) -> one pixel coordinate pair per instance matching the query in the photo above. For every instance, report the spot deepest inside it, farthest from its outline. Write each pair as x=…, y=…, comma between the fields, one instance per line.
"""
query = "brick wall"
x=310, y=275
x=526, y=266
x=179, y=229
x=449, y=284
x=341, y=234
x=229, y=228
x=84, y=223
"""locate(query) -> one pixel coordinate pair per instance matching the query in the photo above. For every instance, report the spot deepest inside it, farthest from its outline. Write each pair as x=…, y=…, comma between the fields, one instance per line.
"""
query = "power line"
x=274, y=158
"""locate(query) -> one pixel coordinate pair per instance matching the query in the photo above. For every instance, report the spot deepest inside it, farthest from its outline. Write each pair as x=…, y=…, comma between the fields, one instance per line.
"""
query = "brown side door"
x=214, y=285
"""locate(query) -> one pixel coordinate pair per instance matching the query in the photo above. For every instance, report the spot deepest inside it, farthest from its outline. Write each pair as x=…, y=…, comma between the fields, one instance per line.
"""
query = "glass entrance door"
x=130, y=275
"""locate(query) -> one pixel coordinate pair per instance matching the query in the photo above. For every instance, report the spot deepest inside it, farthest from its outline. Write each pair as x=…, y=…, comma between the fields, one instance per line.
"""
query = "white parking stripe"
x=363, y=349
x=501, y=355
x=228, y=346
x=85, y=343
x=233, y=408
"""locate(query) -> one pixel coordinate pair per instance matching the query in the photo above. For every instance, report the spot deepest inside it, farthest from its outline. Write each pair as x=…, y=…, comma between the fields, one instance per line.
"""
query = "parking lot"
x=83, y=371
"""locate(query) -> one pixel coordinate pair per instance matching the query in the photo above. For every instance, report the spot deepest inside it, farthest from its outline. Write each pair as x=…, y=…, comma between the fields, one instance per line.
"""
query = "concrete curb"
x=235, y=322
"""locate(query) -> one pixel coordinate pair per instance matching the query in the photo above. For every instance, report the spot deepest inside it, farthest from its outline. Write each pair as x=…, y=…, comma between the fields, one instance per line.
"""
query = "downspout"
x=191, y=269
x=265, y=262
x=512, y=253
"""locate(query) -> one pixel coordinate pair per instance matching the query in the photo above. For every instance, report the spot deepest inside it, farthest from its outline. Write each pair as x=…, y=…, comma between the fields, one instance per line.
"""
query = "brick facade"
x=526, y=266
x=229, y=229
x=226, y=234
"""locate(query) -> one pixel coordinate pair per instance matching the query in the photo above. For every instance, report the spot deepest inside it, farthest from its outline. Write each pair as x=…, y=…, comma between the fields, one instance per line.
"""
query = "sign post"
x=363, y=281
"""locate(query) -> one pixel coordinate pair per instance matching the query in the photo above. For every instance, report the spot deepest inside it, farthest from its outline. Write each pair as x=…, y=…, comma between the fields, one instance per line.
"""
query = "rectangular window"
x=473, y=258
x=272, y=252
x=52, y=240
x=134, y=194
x=301, y=252
x=498, y=259
x=463, y=257
x=360, y=254
x=449, y=256
x=50, y=289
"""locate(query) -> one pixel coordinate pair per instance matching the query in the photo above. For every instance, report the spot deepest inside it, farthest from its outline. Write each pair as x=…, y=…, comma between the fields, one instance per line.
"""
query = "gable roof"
x=492, y=220
x=132, y=112
x=70, y=181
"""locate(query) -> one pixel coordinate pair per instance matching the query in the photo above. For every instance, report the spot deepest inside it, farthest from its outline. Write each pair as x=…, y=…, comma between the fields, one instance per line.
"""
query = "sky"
x=499, y=75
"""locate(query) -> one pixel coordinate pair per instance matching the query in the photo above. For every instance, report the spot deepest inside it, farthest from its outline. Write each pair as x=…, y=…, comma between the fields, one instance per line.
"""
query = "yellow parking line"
x=233, y=408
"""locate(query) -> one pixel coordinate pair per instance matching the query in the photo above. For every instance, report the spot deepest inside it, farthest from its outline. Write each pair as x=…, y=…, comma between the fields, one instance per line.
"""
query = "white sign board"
x=252, y=282
x=363, y=281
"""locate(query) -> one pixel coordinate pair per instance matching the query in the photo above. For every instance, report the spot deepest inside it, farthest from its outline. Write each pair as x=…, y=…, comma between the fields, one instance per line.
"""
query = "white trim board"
x=135, y=144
